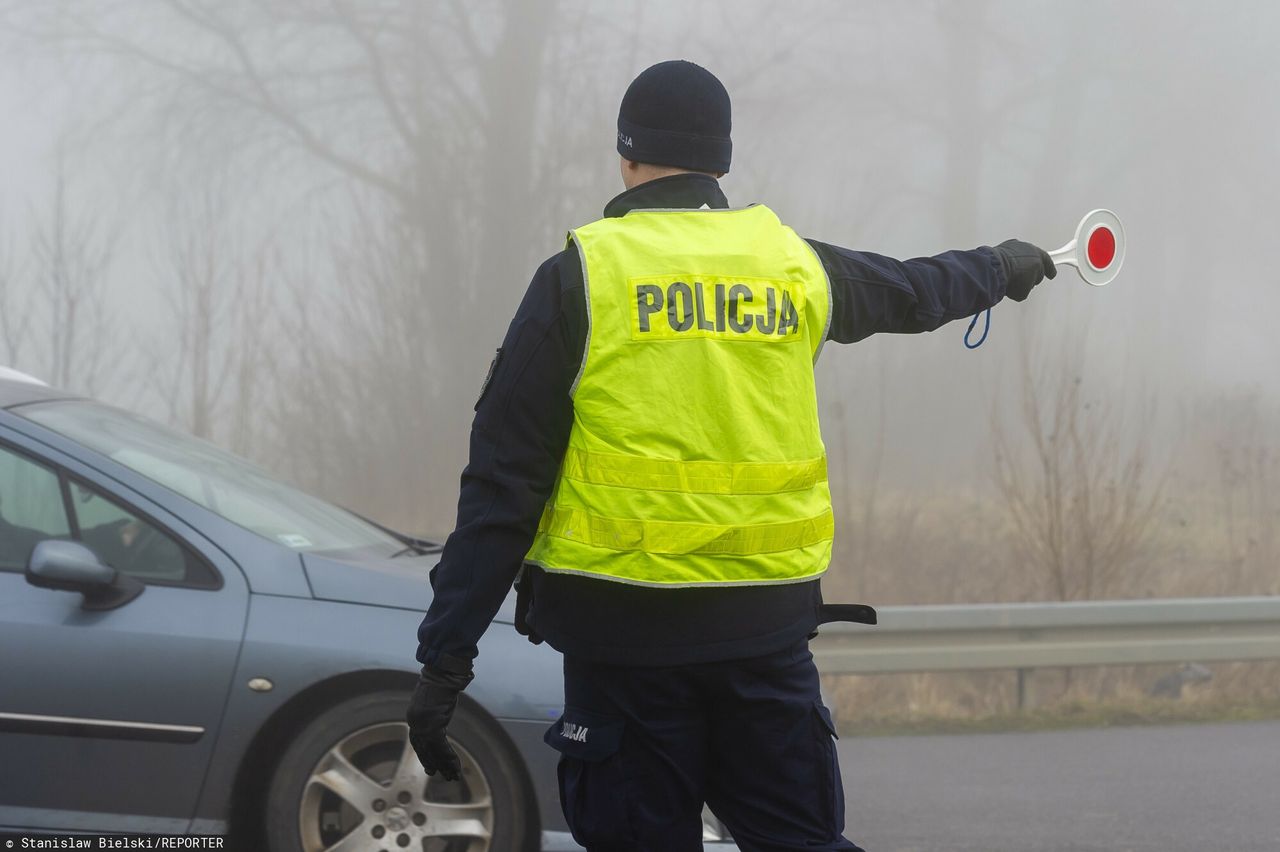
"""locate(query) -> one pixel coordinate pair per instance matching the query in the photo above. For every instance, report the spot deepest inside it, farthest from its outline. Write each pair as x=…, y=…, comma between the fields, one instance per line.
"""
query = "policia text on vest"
x=670, y=308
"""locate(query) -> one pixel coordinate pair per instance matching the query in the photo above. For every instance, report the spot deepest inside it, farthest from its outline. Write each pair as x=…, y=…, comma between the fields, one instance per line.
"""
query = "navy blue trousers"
x=642, y=748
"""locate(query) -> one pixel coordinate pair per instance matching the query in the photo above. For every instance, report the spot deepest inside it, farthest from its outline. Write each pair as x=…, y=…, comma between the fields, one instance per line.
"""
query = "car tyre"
x=350, y=779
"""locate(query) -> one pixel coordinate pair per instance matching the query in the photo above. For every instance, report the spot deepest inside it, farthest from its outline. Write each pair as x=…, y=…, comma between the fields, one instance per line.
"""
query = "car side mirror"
x=72, y=567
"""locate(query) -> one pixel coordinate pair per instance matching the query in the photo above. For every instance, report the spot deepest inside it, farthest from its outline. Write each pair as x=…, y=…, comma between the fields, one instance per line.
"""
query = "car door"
x=108, y=719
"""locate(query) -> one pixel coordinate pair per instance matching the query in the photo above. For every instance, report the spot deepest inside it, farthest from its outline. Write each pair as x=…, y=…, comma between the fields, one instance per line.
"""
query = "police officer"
x=646, y=446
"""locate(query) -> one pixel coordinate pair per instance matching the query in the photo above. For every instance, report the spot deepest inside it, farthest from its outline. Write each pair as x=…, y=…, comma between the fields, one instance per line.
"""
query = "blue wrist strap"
x=986, y=328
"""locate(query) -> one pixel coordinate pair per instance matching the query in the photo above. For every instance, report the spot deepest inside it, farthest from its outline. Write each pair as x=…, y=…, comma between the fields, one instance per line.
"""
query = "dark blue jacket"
x=521, y=429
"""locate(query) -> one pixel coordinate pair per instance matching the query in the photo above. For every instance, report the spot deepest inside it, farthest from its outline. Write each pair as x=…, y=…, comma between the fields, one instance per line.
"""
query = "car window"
x=127, y=542
x=233, y=488
x=31, y=508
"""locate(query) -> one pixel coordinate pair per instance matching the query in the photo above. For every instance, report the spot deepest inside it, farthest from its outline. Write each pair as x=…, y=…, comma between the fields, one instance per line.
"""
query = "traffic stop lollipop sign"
x=1097, y=251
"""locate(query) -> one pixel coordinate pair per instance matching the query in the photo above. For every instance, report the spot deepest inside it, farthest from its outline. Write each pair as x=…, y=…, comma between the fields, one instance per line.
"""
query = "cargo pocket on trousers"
x=833, y=786
x=825, y=715
x=592, y=775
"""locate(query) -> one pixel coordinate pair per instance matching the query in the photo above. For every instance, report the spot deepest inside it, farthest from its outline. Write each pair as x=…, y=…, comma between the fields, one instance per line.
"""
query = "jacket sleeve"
x=872, y=294
x=518, y=437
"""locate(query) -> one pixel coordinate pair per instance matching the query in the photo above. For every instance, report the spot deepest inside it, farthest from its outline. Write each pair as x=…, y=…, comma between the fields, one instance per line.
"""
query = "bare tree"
x=15, y=308
x=199, y=294
x=1082, y=500
x=1247, y=460
x=216, y=289
x=395, y=128
x=411, y=102
x=252, y=357
x=71, y=263
x=858, y=473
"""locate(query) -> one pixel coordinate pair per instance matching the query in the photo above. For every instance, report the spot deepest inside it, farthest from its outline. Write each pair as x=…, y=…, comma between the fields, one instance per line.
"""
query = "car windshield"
x=221, y=482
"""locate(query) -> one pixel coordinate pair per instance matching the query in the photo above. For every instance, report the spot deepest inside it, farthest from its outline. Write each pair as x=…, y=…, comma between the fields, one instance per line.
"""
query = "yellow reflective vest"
x=695, y=457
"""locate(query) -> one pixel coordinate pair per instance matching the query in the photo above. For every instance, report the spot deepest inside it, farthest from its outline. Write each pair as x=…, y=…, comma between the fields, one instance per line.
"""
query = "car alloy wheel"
x=348, y=781
x=369, y=792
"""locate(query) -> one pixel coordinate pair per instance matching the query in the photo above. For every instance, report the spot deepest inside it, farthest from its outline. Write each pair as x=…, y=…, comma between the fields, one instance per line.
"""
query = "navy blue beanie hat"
x=676, y=114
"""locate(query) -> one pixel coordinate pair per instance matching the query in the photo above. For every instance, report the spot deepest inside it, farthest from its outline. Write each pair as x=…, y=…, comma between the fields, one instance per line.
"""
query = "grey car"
x=188, y=645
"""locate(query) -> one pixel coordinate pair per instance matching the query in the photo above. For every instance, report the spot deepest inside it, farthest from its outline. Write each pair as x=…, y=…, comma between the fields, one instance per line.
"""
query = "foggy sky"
x=904, y=129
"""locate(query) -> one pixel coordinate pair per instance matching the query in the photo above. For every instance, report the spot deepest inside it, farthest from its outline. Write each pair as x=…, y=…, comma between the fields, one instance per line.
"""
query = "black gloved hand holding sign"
x=1025, y=266
x=431, y=709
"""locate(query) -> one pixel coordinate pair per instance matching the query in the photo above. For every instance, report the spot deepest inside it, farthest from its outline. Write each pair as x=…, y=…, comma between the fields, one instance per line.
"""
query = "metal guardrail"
x=1034, y=635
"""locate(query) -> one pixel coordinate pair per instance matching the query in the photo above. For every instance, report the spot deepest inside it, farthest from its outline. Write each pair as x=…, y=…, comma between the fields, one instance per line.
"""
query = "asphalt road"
x=1163, y=789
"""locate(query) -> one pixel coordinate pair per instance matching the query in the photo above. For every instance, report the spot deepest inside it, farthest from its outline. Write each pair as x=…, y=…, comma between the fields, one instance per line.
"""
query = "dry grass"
x=1068, y=715
x=957, y=548
x=989, y=699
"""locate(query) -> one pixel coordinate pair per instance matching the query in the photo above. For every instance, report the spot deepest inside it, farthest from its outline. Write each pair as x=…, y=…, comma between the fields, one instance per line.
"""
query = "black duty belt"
x=857, y=613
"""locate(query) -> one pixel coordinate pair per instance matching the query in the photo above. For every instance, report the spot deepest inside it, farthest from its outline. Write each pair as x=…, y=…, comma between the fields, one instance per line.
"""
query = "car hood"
x=402, y=583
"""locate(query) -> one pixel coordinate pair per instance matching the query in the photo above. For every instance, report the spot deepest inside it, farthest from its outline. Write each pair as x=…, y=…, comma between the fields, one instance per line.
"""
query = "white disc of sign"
x=1097, y=251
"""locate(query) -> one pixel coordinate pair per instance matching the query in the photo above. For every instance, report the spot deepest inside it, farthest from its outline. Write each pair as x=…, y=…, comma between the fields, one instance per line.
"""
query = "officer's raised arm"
x=874, y=294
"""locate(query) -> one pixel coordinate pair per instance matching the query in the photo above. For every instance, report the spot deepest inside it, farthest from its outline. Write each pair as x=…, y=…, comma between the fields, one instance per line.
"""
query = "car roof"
x=20, y=392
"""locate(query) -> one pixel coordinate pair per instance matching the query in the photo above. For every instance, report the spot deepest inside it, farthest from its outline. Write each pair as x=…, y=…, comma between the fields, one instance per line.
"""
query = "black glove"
x=430, y=710
x=1025, y=266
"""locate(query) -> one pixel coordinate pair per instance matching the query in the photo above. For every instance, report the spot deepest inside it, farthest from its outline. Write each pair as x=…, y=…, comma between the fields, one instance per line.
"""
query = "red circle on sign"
x=1102, y=248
